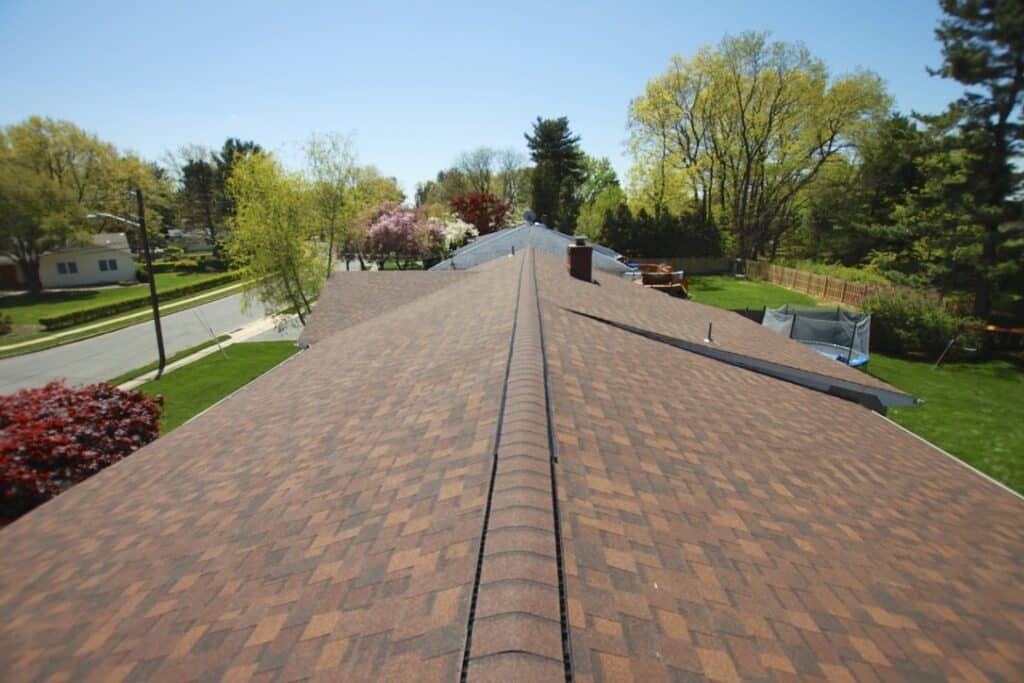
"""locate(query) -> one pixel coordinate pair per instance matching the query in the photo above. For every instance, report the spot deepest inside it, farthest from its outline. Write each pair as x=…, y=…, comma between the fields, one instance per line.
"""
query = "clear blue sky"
x=414, y=83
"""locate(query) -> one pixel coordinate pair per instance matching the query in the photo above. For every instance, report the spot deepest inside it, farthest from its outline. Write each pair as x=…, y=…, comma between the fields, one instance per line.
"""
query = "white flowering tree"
x=457, y=233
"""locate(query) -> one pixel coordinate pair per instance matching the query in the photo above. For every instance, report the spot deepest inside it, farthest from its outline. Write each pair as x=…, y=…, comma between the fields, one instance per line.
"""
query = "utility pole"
x=152, y=284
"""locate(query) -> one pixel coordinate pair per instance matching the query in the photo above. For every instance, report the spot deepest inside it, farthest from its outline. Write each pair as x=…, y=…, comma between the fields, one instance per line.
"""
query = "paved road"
x=102, y=358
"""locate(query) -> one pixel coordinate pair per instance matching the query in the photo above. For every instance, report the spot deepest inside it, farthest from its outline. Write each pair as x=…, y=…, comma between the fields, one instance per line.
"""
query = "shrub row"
x=187, y=265
x=905, y=322
x=54, y=436
x=59, y=322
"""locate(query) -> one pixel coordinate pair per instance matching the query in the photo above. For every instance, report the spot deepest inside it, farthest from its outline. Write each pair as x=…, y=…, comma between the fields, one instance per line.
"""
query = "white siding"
x=87, y=262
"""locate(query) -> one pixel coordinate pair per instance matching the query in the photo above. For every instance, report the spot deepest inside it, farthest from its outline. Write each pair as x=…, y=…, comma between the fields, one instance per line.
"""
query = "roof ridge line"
x=515, y=580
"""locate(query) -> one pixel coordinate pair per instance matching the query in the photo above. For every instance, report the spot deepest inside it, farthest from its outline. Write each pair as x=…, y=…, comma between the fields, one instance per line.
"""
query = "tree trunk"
x=30, y=269
x=330, y=253
x=983, y=290
x=209, y=225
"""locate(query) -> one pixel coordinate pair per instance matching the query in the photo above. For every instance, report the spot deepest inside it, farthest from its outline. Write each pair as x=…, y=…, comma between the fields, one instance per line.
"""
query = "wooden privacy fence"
x=818, y=286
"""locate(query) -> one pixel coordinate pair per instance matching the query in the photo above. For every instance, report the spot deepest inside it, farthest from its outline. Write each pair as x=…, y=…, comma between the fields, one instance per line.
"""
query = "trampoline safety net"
x=833, y=332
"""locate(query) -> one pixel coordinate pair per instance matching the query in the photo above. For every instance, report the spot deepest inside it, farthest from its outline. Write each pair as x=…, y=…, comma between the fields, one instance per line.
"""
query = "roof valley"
x=518, y=623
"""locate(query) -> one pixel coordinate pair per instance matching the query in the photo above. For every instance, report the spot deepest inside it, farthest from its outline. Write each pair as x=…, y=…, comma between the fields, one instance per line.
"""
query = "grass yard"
x=26, y=309
x=193, y=388
x=974, y=411
x=184, y=353
x=726, y=291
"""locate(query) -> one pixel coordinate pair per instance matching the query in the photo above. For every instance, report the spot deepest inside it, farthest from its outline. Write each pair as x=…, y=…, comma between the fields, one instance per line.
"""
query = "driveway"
x=104, y=357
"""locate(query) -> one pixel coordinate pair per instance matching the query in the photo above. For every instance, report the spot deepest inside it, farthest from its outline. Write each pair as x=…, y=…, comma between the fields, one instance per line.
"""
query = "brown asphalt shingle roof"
x=349, y=298
x=387, y=505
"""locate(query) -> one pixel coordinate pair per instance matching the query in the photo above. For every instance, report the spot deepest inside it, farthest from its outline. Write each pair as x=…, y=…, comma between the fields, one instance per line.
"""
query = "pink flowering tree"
x=402, y=233
x=433, y=244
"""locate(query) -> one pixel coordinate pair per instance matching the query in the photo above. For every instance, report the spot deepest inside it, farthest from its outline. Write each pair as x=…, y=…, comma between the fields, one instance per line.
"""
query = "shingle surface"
x=353, y=297
x=718, y=523
x=619, y=300
x=326, y=522
x=322, y=523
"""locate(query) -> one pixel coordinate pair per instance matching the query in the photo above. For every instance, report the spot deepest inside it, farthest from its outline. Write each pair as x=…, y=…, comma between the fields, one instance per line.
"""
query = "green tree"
x=557, y=173
x=592, y=214
x=597, y=176
x=332, y=163
x=274, y=235
x=938, y=234
x=52, y=173
x=231, y=151
x=849, y=208
x=447, y=185
x=200, y=203
x=203, y=199
x=983, y=48
x=742, y=130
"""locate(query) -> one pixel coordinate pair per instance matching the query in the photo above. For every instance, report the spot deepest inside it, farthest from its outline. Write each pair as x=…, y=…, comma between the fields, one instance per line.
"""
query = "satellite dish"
x=529, y=216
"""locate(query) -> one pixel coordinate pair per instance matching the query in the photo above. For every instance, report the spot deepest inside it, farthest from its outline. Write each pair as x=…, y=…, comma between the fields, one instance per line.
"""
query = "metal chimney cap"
x=581, y=241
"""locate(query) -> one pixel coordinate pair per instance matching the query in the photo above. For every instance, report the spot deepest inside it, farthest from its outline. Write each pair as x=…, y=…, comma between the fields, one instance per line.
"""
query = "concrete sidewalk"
x=246, y=333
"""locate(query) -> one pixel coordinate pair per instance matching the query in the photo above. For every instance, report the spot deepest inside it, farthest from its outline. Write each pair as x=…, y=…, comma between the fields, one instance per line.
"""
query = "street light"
x=141, y=225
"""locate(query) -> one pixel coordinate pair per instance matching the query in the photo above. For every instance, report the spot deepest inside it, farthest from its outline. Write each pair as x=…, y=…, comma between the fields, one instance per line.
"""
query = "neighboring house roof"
x=111, y=240
x=504, y=479
x=526, y=236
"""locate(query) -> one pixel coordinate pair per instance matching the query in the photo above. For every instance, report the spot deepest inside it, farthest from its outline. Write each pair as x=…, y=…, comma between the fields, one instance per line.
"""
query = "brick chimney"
x=581, y=260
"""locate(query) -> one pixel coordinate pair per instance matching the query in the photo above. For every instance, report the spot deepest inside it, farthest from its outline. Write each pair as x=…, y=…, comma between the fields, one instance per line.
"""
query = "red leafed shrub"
x=56, y=436
x=485, y=212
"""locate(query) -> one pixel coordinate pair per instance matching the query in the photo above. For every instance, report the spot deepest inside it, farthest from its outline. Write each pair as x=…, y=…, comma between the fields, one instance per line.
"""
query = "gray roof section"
x=111, y=240
x=527, y=235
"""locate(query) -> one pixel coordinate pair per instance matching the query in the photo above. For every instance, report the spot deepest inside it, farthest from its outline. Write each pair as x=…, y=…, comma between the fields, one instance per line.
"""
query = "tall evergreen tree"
x=983, y=48
x=200, y=206
x=558, y=172
x=232, y=151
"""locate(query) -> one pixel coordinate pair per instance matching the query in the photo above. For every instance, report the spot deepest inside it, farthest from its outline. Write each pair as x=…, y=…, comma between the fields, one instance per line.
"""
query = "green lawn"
x=193, y=388
x=184, y=353
x=26, y=309
x=974, y=411
x=726, y=291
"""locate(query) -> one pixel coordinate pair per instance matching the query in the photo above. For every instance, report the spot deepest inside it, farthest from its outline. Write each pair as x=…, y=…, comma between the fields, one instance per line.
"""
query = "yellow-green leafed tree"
x=739, y=130
x=332, y=166
x=52, y=175
x=275, y=235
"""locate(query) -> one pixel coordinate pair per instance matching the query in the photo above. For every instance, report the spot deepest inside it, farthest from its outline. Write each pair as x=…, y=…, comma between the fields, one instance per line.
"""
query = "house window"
x=108, y=264
x=67, y=267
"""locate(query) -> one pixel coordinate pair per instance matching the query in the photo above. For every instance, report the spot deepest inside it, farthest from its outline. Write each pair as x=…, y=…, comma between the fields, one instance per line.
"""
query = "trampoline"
x=834, y=333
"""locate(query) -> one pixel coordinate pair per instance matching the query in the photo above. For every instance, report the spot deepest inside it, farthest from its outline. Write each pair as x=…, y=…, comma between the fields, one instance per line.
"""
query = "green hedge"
x=186, y=264
x=905, y=322
x=161, y=266
x=86, y=315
